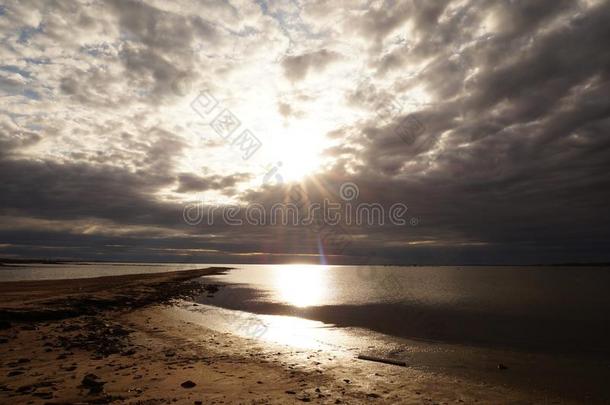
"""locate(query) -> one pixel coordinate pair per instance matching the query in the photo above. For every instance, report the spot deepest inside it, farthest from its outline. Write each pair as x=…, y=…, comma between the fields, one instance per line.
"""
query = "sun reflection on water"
x=302, y=285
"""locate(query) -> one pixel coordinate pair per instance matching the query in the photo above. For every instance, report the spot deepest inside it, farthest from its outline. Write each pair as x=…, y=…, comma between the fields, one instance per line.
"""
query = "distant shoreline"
x=34, y=300
x=9, y=261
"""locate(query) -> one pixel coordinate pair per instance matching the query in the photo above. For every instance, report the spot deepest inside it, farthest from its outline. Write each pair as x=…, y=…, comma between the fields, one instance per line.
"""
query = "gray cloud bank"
x=511, y=166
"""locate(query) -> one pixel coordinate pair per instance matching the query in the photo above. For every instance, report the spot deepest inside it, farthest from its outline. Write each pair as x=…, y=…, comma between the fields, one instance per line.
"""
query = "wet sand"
x=122, y=340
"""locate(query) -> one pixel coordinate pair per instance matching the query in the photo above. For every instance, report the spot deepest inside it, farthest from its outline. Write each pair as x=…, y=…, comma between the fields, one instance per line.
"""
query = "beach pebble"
x=25, y=389
x=188, y=384
x=93, y=383
x=43, y=395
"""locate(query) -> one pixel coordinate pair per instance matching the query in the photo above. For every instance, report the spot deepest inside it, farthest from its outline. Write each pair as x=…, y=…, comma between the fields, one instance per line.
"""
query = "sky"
x=139, y=130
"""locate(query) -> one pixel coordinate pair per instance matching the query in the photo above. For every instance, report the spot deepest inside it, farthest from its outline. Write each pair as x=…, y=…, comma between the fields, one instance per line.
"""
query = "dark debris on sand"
x=99, y=336
x=131, y=297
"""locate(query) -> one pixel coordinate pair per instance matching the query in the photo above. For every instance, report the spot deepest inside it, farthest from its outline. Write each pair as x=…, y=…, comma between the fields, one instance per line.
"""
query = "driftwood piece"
x=382, y=360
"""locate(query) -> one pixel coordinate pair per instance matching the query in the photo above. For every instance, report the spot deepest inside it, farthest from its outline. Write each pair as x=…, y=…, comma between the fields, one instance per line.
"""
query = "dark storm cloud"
x=159, y=29
x=514, y=155
x=161, y=44
x=193, y=183
x=73, y=191
x=158, y=55
x=510, y=163
x=85, y=190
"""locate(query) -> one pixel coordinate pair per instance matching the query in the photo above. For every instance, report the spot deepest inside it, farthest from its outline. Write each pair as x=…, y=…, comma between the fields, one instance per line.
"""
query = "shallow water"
x=543, y=308
x=563, y=309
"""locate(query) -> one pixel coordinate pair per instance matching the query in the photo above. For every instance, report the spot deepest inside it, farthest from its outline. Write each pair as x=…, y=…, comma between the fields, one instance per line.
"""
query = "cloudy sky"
x=488, y=120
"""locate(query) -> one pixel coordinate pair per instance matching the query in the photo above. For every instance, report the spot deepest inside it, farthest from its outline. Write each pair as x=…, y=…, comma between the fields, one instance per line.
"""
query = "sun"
x=301, y=285
x=299, y=166
x=298, y=154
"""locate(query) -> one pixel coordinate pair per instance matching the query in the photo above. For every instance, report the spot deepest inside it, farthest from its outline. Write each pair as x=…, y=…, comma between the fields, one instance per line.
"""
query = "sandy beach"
x=127, y=339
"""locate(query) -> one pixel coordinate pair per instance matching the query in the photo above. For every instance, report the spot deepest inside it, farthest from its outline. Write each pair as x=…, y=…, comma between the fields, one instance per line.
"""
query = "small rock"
x=502, y=367
x=188, y=384
x=346, y=381
x=93, y=383
x=26, y=389
x=198, y=402
x=290, y=392
x=70, y=328
x=43, y=395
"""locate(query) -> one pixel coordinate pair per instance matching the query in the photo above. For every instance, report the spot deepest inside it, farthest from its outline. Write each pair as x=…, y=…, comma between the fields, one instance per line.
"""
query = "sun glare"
x=297, y=156
x=302, y=285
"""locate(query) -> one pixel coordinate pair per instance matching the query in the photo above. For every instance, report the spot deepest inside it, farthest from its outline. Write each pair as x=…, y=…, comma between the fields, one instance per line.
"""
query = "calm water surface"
x=547, y=308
